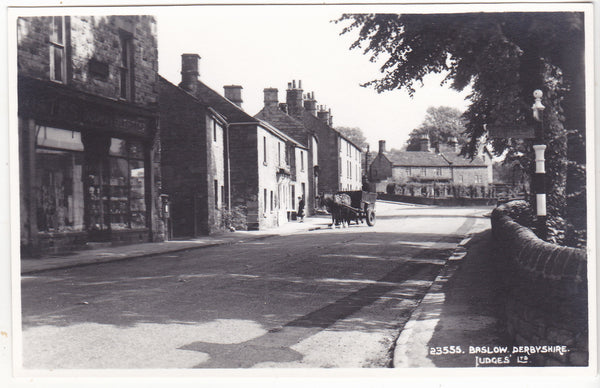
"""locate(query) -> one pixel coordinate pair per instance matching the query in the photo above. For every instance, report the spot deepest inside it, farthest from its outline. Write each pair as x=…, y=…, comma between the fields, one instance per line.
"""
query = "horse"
x=336, y=205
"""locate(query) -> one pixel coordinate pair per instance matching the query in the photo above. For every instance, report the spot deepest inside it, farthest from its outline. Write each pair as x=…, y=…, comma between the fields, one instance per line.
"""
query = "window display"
x=88, y=189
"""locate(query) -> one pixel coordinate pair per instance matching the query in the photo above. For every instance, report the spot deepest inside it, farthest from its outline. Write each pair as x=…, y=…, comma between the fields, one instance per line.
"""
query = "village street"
x=321, y=298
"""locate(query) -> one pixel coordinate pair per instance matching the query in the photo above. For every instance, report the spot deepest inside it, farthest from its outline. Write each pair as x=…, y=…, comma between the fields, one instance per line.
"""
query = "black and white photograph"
x=371, y=190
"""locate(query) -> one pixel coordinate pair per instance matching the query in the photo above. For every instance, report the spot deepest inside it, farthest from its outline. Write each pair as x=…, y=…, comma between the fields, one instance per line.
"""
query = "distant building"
x=338, y=160
x=429, y=165
x=242, y=162
x=88, y=141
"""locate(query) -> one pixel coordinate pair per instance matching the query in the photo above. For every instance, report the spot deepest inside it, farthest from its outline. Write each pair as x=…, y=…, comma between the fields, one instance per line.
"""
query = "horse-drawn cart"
x=362, y=206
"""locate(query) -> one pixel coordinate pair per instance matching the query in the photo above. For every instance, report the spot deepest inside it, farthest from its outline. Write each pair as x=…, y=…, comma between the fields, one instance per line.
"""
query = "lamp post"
x=539, y=178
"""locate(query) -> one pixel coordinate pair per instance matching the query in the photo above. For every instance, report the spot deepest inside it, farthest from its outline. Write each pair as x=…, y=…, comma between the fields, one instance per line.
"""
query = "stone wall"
x=93, y=53
x=547, y=300
x=184, y=167
x=437, y=201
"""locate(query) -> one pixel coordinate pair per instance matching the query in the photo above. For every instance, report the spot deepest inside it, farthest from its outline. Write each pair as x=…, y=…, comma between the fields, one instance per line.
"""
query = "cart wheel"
x=370, y=217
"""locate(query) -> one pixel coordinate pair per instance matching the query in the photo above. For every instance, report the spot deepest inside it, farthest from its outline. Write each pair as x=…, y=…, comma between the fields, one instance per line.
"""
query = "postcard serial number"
x=440, y=350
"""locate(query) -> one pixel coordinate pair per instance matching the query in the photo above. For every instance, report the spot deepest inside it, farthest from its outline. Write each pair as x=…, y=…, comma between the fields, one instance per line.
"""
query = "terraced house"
x=219, y=159
x=431, y=165
x=88, y=142
x=337, y=164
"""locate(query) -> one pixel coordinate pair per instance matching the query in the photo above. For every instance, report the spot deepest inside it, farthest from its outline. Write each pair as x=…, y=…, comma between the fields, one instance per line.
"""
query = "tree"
x=355, y=135
x=504, y=57
x=440, y=124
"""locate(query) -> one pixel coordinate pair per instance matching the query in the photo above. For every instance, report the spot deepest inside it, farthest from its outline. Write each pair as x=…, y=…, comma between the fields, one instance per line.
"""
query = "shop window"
x=59, y=180
x=58, y=53
x=125, y=185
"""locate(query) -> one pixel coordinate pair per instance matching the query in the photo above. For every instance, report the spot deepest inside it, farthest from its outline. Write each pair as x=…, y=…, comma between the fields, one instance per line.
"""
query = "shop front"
x=85, y=170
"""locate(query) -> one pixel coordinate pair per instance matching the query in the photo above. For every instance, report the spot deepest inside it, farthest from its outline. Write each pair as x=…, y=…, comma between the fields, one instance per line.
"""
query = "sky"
x=268, y=46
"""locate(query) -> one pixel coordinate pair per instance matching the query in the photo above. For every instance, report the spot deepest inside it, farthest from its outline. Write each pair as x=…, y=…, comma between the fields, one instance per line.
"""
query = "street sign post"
x=539, y=178
x=510, y=131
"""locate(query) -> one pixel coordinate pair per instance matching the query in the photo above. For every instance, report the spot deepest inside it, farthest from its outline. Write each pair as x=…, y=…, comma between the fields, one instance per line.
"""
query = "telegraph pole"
x=539, y=178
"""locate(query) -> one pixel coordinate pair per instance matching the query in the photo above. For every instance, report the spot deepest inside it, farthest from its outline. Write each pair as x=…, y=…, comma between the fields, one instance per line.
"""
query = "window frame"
x=126, y=67
x=60, y=46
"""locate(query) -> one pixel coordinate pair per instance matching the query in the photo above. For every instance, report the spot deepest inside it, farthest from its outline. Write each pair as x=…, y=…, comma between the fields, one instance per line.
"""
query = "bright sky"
x=269, y=46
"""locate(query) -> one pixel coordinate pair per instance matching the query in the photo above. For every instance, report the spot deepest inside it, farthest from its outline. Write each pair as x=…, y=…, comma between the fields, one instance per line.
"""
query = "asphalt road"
x=326, y=298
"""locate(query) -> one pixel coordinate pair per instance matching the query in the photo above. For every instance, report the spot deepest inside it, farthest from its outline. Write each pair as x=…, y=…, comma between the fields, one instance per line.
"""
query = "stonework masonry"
x=94, y=77
x=548, y=301
x=191, y=161
x=94, y=41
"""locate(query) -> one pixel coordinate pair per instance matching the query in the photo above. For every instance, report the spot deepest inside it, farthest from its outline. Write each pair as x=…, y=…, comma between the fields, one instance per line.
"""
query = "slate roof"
x=224, y=109
x=311, y=122
x=231, y=111
x=431, y=159
x=286, y=123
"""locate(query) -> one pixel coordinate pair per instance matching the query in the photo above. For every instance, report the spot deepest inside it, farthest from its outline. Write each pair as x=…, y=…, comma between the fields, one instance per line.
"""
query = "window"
x=216, y=194
x=301, y=160
x=265, y=150
x=478, y=178
x=438, y=171
x=293, y=197
x=126, y=69
x=58, y=60
x=265, y=200
x=424, y=171
x=222, y=193
x=60, y=180
x=278, y=153
x=125, y=185
x=215, y=126
x=408, y=171
x=271, y=200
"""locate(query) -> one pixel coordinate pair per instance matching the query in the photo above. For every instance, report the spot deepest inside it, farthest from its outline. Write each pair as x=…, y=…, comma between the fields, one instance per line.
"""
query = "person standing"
x=301, y=208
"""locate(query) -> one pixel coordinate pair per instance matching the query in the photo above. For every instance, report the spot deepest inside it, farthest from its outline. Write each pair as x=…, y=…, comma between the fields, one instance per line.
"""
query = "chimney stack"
x=189, y=71
x=323, y=114
x=294, y=98
x=381, y=146
x=424, y=143
x=310, y=104
x=271, y=97
x=234, y=94
x=453, y=141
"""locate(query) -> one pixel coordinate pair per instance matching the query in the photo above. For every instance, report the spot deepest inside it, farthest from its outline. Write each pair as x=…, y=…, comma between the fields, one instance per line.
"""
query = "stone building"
x=262, y=166
x=193, y=162
x=307, y=160
x=431, y=165
x=87, y=123
x=338, y=163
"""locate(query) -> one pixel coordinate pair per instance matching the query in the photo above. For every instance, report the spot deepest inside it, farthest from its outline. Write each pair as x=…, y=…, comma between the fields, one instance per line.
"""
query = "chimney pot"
x=299, y=84
x=381, y=146
x=294, y=98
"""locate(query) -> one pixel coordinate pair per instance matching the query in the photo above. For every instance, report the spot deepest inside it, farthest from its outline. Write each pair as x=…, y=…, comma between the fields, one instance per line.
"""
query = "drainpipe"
x=227, y=167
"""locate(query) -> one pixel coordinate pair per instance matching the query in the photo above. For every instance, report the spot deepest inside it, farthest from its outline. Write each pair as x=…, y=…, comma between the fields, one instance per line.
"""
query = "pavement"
x=459, y=321
x=123, y=252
